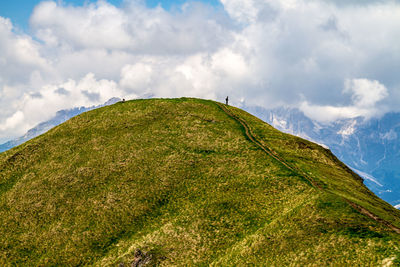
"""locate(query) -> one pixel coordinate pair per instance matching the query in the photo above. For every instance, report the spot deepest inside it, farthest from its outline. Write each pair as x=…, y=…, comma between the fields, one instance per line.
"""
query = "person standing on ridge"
x=226, y=99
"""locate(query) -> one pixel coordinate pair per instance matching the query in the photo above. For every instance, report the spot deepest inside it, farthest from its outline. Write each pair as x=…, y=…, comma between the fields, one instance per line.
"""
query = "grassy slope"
x=178, y=178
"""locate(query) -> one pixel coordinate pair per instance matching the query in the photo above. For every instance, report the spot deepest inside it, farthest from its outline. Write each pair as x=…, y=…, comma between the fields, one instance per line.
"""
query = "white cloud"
x=242, y=11
x=96, y=26
x=20, y=58
x=365, y=93
x=134, y=28
x=12, y=121
x=85, y=92
x=37, y=107
x=137, y=77
x=292, y=52
x=365, y=96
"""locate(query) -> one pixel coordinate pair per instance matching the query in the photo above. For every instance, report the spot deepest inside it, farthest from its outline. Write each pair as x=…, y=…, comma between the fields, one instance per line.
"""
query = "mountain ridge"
x=341, y=136
x=180, y=181
x=60, y=117
x=273, y=154
x=367, y=146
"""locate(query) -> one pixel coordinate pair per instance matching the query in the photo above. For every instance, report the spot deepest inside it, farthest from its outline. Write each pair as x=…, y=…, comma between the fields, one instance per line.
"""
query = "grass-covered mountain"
x=369, y=146
x=185, y=182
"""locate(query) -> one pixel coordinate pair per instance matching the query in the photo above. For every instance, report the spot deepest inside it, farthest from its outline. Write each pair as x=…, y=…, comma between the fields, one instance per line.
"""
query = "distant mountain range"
x=370, y=147
x=60, y=117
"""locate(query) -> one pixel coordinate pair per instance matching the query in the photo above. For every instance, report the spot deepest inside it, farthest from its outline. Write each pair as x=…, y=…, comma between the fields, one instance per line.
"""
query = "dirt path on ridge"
x=251, y=136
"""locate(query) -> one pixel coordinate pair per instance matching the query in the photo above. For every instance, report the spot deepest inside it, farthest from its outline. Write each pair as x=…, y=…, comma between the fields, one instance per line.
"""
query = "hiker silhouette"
x=226, y=99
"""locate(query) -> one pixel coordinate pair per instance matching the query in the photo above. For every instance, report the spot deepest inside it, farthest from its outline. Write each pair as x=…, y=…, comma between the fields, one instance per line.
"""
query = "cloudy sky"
x=331, y=58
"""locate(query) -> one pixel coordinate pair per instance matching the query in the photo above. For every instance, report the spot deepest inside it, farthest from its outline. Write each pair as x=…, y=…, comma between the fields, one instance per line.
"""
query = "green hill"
x=186, y=182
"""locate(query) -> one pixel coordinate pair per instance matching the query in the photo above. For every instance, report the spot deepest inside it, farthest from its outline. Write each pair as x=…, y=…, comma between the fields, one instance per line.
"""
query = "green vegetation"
x=180, y=180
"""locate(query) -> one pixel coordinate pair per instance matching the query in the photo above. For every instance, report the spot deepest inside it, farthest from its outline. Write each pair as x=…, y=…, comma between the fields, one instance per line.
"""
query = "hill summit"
x=185, y=182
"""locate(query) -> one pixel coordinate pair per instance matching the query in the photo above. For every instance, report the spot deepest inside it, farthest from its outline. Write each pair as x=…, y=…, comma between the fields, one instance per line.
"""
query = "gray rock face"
x=369, y=147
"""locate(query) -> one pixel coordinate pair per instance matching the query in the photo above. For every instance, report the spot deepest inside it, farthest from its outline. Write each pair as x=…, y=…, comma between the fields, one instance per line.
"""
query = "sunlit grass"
x=177, y=178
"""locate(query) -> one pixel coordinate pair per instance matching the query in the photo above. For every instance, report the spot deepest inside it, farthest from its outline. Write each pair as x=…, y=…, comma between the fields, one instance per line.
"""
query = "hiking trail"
x=252, y=137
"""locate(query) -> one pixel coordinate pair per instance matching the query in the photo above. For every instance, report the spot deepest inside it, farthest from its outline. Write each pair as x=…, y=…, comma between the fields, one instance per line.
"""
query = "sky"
x=19, y=11
x=332, y=59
